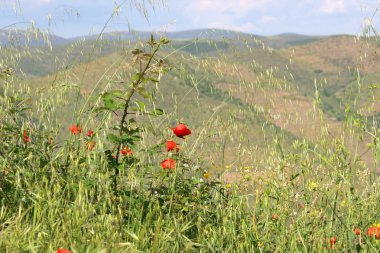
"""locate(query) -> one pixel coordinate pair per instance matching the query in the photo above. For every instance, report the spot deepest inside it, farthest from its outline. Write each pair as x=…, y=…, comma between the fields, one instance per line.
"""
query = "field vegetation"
x=195, y=141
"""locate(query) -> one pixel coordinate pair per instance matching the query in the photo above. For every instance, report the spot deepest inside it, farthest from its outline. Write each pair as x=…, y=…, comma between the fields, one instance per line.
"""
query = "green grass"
x=268, y=190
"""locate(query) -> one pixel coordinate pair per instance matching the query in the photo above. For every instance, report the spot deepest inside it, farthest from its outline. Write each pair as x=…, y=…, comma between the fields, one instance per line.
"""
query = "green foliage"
x=105, y=191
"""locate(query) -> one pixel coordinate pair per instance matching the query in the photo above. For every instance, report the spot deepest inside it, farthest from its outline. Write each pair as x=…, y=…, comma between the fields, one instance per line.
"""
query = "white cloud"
x=245, y=27
x=232, y=7
x=226, y=14
x=334, y=6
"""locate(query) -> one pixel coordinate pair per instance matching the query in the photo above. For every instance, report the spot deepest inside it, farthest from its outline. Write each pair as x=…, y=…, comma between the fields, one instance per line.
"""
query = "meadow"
x=196, y=141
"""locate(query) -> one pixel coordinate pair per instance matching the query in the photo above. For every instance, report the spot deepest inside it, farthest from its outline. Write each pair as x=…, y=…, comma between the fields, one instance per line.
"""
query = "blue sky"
x=70, y=18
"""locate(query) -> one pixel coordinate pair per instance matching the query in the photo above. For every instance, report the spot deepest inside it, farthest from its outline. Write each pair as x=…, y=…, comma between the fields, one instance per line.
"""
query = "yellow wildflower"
x=206, y=175
x=313, y=186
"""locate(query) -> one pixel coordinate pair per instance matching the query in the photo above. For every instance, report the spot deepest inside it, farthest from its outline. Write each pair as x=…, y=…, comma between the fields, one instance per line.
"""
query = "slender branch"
x=131, y=90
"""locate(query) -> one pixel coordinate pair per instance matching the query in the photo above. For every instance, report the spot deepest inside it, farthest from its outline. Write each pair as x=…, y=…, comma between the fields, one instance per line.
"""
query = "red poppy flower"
x=274, y=216
x=90, y=133
x=126, y=151
x=332, y=241
x=74, y=129
x=171, y=145
x=374, y=231
x=63, y=251
x=357, y=231
x=168, y=163
x=181, y=130
x=25, y=137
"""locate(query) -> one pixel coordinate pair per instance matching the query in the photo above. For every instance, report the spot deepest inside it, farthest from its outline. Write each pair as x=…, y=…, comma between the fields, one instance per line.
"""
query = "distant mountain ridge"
x=21, y=37
x=33, y=39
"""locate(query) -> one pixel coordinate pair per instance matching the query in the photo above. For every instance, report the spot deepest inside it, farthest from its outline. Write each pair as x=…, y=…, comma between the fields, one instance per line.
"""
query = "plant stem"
x=128, y=95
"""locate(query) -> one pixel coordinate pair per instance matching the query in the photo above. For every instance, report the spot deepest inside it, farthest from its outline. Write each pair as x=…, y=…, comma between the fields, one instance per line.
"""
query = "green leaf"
x=109, y=101
x=156, y=112
x=100, y=109
x=127, y=140
x=113, y=138
x=130, y=140
x=294, y=176
x=25, y=109
x=155, y=80
x=133, y=131
x=117, y=93
x=111, y=160
x=131, y=121
x=164, y=40
x=136, y=138
x=136, y=77
x=143, y=92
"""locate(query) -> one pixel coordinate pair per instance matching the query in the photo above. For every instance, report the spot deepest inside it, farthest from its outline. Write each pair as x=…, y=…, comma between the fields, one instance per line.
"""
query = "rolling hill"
x=38, y=39
x=233, y=90
x=30, y=38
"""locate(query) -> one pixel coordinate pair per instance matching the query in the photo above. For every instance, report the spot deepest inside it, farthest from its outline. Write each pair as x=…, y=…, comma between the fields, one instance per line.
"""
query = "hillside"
x=338, y=63
x=191, y=99
x=235, y=78
x=38, y=39
x=21, y=38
